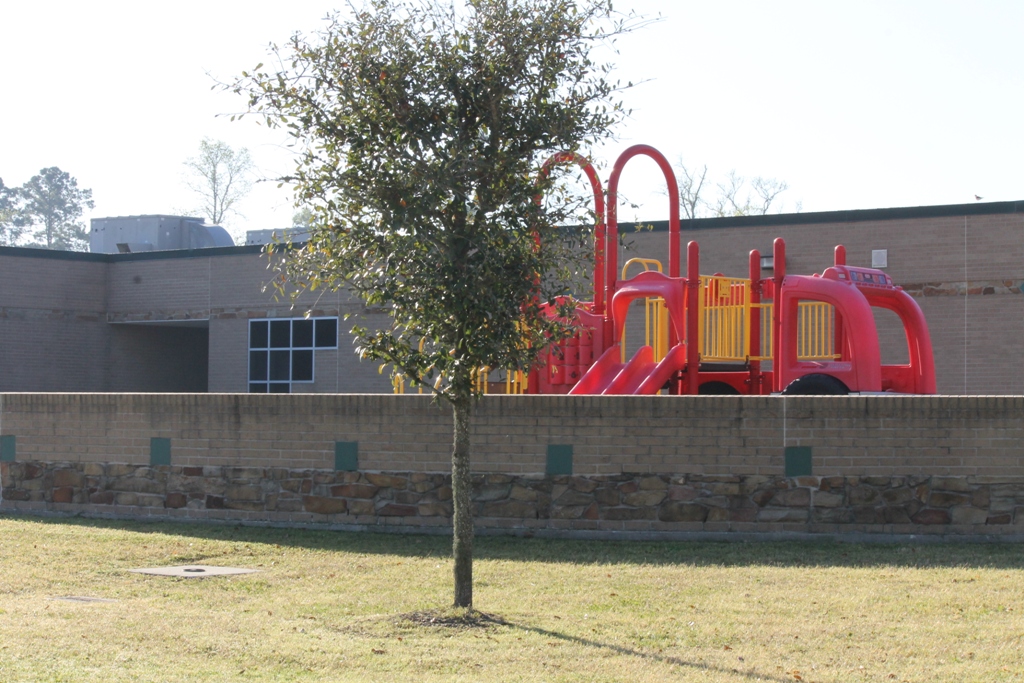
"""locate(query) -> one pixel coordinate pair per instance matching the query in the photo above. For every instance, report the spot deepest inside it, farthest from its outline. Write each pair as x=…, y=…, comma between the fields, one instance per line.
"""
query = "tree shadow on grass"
x=461, y=620
x=749, y=673
x=825, y=553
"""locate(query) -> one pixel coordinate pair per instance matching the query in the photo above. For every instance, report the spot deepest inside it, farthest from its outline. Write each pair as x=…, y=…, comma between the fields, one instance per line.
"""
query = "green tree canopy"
x=51, y=208
x=420, y=130
x=10, y=212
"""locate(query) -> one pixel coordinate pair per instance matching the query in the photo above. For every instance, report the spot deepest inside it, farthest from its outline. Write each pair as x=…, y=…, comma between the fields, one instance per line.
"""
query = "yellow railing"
x=724, y=319
x=725, y=315
x=398, y=382
x=767, y=338
x=815, y=331
x=815, y=339
x=647, y=263
x=514, y=382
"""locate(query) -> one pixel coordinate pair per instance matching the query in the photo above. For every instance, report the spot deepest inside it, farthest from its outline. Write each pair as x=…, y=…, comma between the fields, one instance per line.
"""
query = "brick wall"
x=53, y=336
x=966, y=271
x=952, y=465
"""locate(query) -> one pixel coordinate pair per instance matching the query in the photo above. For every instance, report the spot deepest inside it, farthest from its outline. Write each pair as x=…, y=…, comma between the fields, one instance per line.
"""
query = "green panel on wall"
x=346, y=456
x=159, y=451
x=559, y=459
x=7, y=448
x=798, y=461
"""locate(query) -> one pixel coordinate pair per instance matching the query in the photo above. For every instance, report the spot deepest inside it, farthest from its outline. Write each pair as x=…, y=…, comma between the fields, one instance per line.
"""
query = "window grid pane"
x=282, y=351
x=280, y=334
x=327, y=333
x=259, y=334
x=302, y=334
x=280, y=366
x=302, y=365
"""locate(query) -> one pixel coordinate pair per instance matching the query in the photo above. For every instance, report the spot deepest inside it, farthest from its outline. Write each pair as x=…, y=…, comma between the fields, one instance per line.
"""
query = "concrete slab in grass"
x=193, y=571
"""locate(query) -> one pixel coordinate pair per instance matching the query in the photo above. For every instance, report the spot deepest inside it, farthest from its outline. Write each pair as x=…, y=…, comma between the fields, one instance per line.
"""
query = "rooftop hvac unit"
x=124, y=234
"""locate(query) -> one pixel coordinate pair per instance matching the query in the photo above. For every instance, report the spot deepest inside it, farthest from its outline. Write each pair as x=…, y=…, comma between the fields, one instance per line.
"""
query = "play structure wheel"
x=717, y=389
x=816, y=385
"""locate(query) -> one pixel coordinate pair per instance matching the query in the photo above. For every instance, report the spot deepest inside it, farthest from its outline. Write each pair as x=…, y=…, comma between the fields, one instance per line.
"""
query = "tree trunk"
x=462, y=519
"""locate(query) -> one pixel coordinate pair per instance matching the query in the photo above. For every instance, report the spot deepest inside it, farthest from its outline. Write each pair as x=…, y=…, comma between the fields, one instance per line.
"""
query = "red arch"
x=613, y=221
x=599, y=227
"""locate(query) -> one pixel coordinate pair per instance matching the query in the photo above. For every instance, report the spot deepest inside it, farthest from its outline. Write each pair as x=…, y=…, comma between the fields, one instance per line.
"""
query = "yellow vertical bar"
x=747, y=320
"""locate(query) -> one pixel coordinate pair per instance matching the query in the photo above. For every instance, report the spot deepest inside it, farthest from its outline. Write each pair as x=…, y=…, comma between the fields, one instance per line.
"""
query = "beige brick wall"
x=159, y=285
x=849, y=436
x=975, y=352
x=52, y=331
x=229, y=360
x=919, y=249
x=52, y=309
x=49, y=352
x=64, y=284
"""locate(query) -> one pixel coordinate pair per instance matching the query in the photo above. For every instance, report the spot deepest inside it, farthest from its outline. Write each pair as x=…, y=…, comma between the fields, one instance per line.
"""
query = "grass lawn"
x=329, y=606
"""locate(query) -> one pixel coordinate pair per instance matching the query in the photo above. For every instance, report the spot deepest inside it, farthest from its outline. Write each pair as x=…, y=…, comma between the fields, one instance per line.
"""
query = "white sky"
x=856, y=105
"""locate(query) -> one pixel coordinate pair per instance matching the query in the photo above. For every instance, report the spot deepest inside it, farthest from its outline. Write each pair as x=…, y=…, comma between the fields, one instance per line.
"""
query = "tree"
x=733, y=198
x=421, y=128
x=221, y=176
x=767, y=191
x=302, y=218
x=51, y=208
x=691, y=188
x=10, y=215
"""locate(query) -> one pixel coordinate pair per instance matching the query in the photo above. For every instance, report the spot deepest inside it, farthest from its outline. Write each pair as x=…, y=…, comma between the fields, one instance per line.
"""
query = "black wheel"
x=816, y=385
x=717, y=389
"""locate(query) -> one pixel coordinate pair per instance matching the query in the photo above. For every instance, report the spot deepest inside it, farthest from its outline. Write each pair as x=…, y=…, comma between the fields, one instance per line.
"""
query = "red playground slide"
x=641, y=374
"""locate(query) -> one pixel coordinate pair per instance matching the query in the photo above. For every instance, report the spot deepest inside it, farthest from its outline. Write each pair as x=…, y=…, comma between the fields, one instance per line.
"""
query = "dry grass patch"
x=368, y=607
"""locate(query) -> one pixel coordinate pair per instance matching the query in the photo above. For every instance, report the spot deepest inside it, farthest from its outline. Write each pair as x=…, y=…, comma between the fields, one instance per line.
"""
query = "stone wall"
x=653, y=465
x=615, y=503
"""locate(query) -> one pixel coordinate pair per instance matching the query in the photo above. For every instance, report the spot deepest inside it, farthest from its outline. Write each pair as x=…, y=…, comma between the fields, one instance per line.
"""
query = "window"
x=281, y=352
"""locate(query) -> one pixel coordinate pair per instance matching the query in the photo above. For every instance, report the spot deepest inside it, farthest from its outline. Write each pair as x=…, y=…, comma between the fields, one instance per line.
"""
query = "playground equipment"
x=712, y=334
x=789, y=334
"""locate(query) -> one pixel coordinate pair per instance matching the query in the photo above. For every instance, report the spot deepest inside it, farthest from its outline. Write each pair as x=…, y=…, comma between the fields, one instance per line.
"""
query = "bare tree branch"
x=767, y=190
x=690, y=189
x=734, y=197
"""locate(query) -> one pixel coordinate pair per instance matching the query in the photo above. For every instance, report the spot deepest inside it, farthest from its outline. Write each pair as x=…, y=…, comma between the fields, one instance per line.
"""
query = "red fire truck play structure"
x=790, y=334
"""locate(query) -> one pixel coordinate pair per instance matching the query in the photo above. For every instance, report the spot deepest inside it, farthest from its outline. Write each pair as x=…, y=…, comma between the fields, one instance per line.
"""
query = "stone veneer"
x=659, y=503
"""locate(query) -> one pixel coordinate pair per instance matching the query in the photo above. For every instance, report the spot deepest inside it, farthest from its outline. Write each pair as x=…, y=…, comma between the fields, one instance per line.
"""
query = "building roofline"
x=52, y=254
x=197, y=219
x=810, y=218
x=849, y=216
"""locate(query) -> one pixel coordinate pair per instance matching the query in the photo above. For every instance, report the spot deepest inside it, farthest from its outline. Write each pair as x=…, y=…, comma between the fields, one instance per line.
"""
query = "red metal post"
x=754, y=322
x=838, y=342
x=693, y=295
x=779, y=274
